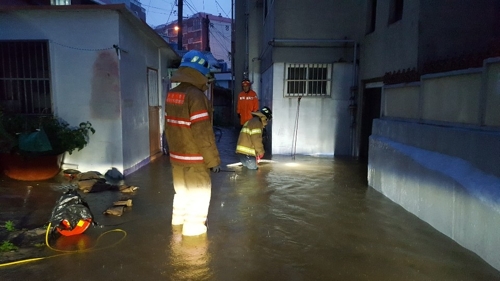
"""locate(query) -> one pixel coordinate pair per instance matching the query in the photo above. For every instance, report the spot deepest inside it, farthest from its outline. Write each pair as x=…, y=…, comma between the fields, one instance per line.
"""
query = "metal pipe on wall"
x=247, y=39
x=328, y=41
x=353, y=104
x=233, y=89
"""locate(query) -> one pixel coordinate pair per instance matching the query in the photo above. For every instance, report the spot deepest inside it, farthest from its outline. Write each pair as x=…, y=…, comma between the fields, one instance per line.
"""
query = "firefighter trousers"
x=192, y=187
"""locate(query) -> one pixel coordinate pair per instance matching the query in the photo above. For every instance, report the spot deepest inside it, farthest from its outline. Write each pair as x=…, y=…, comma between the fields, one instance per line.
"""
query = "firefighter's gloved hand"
x=215, y=169
x=258, y=157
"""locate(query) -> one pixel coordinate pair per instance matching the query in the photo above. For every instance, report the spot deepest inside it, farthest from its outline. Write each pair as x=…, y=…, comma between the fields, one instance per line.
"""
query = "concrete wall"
x=453, y=192
x=390, y=47
x=254, y=41
x=467, y=97
x=452, y=28
x=297, y=20
x=322, y=122
x=335, y=19
x=428, y=31
x=492, y=93
x=452, y=98
x=85, y=75
x=435, y=152
x=134, y=89
x=247, y=41
x=401, y=101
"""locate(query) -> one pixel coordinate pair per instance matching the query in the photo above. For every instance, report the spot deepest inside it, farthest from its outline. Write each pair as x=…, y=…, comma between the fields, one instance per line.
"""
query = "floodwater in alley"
x=302, y=218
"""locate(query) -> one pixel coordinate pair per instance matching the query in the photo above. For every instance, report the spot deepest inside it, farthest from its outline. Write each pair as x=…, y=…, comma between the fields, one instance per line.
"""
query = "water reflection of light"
x=189, y=256
x=73, y=243
x=292, y=164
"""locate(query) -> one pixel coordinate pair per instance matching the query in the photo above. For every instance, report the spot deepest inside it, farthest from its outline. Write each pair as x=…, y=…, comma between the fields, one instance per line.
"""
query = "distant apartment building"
x=202, y=32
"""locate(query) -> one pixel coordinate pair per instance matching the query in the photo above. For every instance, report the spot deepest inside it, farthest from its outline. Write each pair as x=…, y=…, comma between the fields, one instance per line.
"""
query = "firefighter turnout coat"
x=188, y=121
x=250, y=138
x=192, y=149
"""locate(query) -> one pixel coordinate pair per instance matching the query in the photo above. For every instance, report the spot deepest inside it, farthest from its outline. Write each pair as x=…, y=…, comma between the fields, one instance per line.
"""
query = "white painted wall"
x=90, y=82
x=443, y=175
x=469, y=96
x=133, y=69
x=323, y=123
x=75, y=51
x=393, y=46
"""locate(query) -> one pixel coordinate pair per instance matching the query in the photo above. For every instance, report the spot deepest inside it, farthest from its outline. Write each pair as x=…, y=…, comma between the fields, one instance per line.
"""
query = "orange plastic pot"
x=31, y=168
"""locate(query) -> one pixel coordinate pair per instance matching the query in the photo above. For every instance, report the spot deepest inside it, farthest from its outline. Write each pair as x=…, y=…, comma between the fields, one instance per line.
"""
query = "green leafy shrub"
x=61, y=136
x=7, y=246
x=9, y=225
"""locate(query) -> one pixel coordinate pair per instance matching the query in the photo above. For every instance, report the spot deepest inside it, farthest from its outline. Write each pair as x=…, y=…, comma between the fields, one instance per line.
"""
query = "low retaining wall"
x=447, y=176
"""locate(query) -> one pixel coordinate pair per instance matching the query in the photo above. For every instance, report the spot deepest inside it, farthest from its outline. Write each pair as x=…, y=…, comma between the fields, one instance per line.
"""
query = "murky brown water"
x=303, y=219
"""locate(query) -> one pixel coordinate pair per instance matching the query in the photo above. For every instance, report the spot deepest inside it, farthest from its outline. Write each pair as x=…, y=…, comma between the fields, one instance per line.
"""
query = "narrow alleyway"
x=294, y=219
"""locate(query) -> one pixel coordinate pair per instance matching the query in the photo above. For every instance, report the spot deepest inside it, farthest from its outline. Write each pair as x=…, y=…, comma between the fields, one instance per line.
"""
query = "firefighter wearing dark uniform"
x=250, y=147
x=191, y=142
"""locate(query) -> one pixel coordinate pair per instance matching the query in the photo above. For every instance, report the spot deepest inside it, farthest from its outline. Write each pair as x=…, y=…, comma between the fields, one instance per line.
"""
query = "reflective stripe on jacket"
x=188, y=121
x=250, y=138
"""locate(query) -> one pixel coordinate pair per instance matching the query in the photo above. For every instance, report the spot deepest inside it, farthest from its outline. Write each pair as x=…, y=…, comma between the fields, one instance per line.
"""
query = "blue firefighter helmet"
x=197, y=60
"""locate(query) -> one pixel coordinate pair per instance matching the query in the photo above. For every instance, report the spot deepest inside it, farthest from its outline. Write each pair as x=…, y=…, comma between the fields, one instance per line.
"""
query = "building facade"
x=202, y=32
x=112, y=77
x=410, y=86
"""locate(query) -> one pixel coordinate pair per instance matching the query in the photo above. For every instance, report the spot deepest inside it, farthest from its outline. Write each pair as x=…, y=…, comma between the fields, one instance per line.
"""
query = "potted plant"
x=33, y=148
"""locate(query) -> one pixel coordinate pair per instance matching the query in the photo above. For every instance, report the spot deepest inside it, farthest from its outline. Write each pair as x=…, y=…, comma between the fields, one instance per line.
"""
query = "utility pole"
x=180, y=5
x=207, y=30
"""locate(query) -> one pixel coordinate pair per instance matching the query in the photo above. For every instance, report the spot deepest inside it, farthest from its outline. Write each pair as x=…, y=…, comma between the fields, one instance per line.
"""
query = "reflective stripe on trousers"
x=192, y=187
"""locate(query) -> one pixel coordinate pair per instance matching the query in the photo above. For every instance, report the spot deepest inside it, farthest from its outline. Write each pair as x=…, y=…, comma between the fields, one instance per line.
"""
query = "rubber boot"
x=193, y=229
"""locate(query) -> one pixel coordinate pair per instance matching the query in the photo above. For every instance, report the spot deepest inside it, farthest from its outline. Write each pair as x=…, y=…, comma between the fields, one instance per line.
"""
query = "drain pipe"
x=247, y=39
x=308, y=42
x=352, y=100
x=295, y=130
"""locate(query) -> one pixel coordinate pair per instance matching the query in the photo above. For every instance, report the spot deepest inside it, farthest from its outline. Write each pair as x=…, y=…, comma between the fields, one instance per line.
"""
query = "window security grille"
x=308, y=80
x=25, y=77
x=60, y=2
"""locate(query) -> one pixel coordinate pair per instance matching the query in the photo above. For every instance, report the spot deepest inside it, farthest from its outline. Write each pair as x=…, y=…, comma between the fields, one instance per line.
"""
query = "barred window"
x=25, y=77
x=308, y=79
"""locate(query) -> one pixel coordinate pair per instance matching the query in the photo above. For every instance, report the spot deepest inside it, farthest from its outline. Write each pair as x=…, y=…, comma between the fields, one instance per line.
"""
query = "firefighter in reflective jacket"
x=250, y=147
x=191, y=141
x=248, y=102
